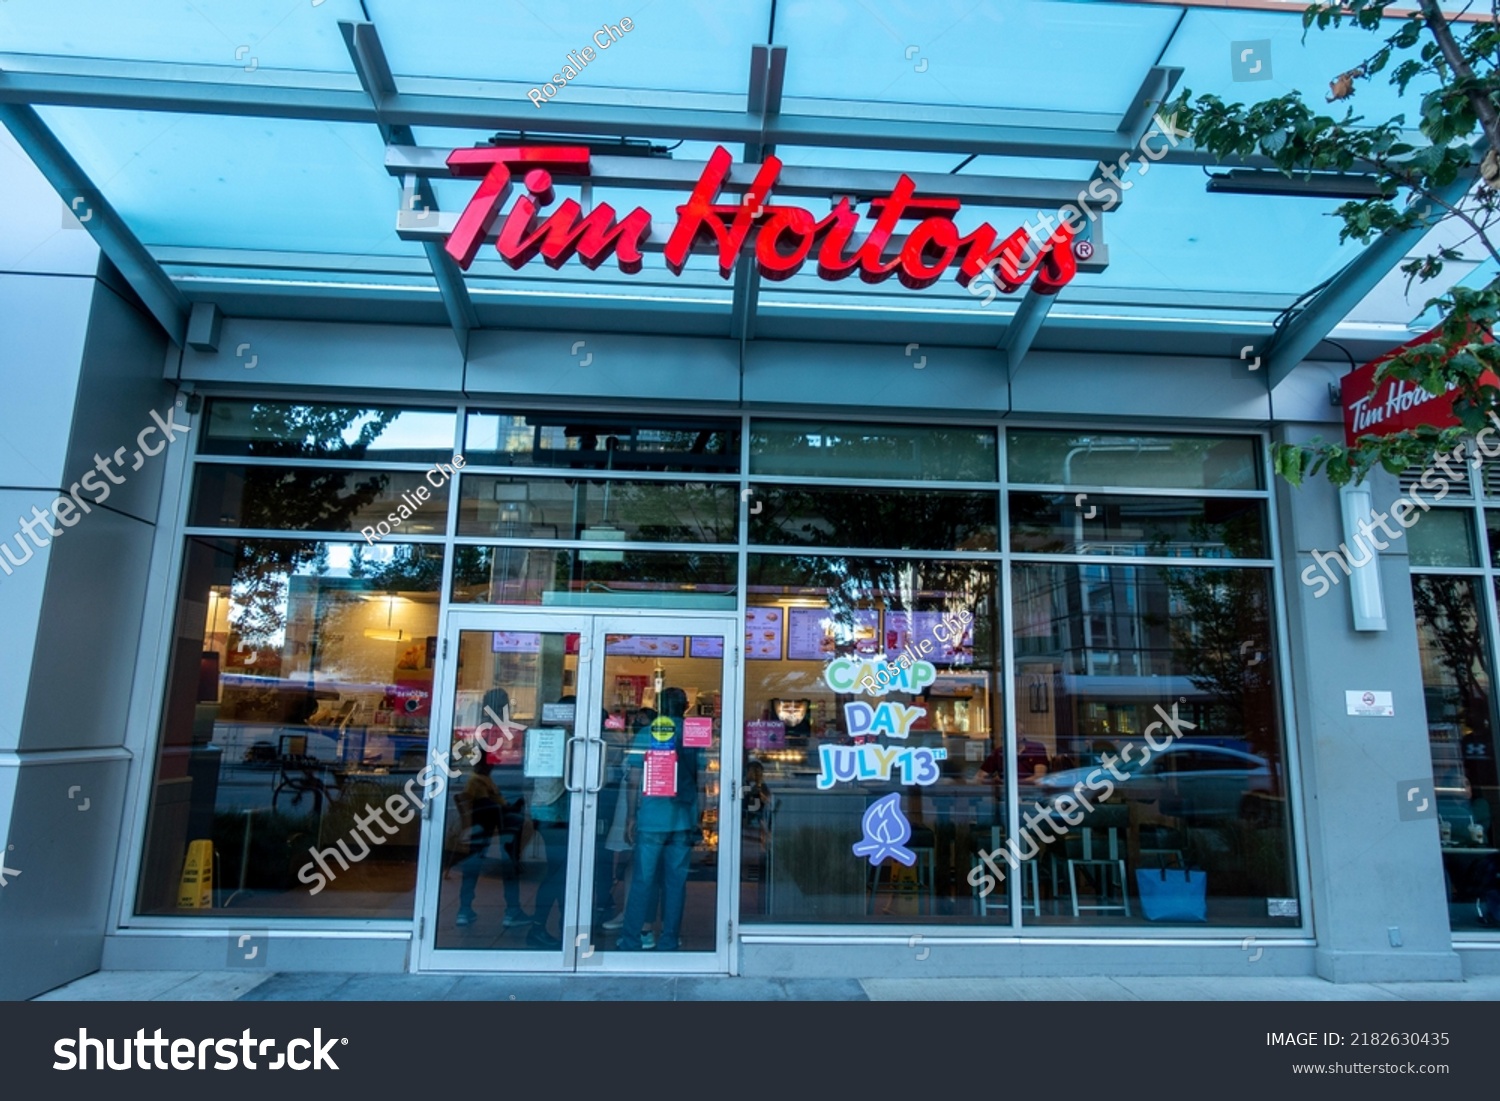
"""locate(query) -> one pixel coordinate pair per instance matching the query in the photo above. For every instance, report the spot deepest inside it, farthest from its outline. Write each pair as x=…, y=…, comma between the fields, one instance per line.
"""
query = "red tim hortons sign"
x=1396, y=405
x=786, y=237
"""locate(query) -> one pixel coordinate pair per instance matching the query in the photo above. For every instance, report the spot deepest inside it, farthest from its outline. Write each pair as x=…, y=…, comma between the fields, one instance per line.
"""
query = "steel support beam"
x=1024, y=326
x=1155, y=88
x=140, y=269
x=1307, y=328
x=376, y=78
x=979, y=132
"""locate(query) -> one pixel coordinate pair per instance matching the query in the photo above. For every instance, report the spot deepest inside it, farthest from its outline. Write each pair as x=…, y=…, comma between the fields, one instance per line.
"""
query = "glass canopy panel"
x=1027, y=54
x=242, y=183
x=1170, y=233
x=696, y=46
x=242, y=36
x=1207, y=43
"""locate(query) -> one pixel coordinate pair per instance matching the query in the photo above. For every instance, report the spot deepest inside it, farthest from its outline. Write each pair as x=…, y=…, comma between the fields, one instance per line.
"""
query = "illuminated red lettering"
x=701, y=213
x=494, y=164
x=787, y=237
x=562, y=234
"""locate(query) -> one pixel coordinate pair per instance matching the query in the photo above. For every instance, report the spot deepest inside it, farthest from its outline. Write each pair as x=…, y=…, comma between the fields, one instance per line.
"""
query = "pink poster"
x=697, y=732
x=661, y=772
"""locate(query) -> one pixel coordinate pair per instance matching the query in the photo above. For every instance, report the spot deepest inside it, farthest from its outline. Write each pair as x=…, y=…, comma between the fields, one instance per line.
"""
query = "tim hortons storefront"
x=598, y=641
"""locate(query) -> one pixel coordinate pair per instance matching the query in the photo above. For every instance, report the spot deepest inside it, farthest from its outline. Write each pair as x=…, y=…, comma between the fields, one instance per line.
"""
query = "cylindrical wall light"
x=1357, y=504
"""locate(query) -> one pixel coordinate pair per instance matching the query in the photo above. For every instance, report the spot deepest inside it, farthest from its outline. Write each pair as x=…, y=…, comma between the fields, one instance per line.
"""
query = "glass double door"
x=573, y=794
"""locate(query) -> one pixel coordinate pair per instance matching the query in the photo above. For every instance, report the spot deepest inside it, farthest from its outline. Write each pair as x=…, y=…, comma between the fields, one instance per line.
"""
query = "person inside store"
x=484, y=817
x=1031, y=763
x=662, y=827
x=487, y=813
x=617, y=844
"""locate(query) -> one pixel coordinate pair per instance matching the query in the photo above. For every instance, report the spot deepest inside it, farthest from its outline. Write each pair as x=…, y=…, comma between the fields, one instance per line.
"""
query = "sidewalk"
x=172, y=986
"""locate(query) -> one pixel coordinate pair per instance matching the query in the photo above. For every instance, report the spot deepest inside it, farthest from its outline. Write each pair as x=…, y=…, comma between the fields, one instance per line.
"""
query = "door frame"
x=591, y=625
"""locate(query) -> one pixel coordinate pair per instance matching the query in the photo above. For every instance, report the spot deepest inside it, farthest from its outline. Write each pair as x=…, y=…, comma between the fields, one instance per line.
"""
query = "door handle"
x=596, y=788
x=568, y=764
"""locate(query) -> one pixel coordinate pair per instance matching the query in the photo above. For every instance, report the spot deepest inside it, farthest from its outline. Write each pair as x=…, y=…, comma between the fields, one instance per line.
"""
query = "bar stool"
x=999, y=896
x=1103, y=869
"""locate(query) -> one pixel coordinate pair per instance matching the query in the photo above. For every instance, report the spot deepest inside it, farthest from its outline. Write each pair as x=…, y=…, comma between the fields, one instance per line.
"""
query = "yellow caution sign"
x=196, y=890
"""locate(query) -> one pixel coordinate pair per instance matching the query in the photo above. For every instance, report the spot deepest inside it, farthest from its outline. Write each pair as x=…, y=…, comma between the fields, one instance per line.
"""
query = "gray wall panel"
x=54, y=913
x=40, y=360
x=22, y=595
x=119, y=387
x=605, y=365
x=1087, y=384
x=84, y=656
x=876, y=377
x=316, y=354
x=1303, y=396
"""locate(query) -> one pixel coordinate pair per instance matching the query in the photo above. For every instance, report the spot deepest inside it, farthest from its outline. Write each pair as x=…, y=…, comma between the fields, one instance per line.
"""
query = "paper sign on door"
x=544, y=752
x=698, y=731
x=661, y=772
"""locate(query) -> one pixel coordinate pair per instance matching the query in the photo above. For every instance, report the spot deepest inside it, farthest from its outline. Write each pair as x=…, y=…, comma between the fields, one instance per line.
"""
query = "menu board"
x=706, y=646
x=516, y=642
x=654, y=646
x=762, y=633
x=526, y=642
x=816, y=634
x=903, y=629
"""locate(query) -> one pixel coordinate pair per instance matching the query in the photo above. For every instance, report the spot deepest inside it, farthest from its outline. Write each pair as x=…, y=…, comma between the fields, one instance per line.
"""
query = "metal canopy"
x=238, y=153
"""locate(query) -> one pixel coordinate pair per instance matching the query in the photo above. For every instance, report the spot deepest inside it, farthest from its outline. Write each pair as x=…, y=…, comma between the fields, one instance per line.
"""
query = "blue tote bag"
x=1173, y=894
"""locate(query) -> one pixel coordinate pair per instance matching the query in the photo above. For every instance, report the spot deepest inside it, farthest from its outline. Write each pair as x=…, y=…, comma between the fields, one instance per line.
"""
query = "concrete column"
x=1378, y=902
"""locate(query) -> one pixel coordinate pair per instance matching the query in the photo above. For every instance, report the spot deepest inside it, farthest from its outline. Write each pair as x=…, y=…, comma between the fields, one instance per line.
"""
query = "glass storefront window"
x=588, y=441
x=1443, y=537
x=613, y=510
x=1194, y=527
x=905, y=452
x=1146, y=697
x=1048, y=457
x=599, y=578
x=846, y=744
x=298, y=699
x=1456, y=684
x=319, y=498
x=297, y=430
x=894, y=519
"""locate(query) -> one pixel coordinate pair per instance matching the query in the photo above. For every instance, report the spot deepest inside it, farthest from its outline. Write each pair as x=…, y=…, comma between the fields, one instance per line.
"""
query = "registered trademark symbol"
x=1083, y=249
x=345, y=1040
